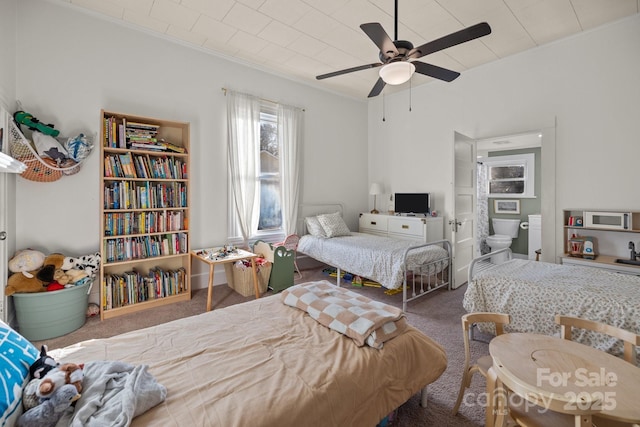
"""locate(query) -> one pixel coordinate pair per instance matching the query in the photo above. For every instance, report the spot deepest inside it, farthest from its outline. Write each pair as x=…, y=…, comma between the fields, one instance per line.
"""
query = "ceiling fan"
x=398, y=57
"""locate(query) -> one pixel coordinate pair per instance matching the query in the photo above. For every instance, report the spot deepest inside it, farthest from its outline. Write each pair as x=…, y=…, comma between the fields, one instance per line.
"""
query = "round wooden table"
x=566, y=376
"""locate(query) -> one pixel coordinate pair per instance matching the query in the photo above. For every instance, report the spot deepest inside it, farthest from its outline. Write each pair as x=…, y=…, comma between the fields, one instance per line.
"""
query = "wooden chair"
x=483, y=364
x=291, y=244
x=531, y=417
x=631, y=340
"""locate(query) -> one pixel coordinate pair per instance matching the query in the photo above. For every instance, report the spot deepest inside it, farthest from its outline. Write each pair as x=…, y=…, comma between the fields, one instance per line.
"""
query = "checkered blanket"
x=363, y=320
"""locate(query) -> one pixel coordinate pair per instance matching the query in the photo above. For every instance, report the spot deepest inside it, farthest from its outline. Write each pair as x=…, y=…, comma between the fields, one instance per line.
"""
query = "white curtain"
x=243, y=132
x=482, y=223
x=290, y=129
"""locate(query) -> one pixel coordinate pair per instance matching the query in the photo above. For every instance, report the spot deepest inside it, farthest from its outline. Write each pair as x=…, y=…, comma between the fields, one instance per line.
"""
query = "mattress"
x=374, y=257
x=534, y=292
x=262, y=363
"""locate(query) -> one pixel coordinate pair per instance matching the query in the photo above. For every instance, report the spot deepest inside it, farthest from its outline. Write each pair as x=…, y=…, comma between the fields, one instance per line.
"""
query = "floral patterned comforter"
x=534, y=292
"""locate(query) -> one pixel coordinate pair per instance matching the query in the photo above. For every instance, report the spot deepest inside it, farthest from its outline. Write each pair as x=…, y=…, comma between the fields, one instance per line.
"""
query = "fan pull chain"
x=383, y=97
x=410, y=94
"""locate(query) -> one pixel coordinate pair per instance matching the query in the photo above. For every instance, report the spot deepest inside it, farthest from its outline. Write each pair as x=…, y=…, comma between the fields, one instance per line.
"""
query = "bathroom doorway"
x=509, y=172
x=550, y=238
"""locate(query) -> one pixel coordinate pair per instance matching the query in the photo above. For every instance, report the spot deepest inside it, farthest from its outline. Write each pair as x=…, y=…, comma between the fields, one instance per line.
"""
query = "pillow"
x=313, y=226
x=16, y=355
x=333, y=225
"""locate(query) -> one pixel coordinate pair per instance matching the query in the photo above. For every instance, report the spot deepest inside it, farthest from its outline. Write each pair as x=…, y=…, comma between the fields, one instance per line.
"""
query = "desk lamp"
x=374, y=190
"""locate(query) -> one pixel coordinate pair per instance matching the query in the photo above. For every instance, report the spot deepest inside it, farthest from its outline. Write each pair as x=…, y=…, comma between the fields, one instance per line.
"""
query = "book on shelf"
x=172, y=147
x=148, y=146
x=122, y=139
x=142, y=126
x=127, y=165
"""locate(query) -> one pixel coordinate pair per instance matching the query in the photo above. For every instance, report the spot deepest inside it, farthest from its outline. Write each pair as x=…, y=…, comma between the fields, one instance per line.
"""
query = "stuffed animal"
x=93, y=309
x=76, y=275
x=43, y=365
x=87, y=263
x=49, y=412
x=67, y=373
x=24, y=118
x=26, y=260
x=37, y=371
x=40, y=279
x=20, y=283
x=52, y=263
x=61, y=277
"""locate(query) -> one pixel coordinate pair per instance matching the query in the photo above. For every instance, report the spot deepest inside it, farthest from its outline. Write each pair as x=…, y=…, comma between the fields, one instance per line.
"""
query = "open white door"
x=464, y=207
x=7, y=220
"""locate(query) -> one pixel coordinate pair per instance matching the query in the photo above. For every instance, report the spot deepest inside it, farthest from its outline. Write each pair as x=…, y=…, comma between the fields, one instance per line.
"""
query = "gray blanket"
x=113, y=394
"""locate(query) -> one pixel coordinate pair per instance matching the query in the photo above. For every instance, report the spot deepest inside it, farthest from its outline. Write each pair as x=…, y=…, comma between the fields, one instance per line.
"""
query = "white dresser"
x=424, y=229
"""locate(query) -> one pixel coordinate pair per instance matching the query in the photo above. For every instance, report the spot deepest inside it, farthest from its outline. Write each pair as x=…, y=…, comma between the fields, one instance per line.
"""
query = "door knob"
x=3, y=235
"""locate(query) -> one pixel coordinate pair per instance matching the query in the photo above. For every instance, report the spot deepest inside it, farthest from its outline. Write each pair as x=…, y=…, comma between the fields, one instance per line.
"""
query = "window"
x=511, y=176
x=263, y=155
x=269, y=175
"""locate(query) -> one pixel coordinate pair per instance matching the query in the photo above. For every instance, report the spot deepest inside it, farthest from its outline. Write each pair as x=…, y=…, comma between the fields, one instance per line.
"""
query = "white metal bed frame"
x=416, y=277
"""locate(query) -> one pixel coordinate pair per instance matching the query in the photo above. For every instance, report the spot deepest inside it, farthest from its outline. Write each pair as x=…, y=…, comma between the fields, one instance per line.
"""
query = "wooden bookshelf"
x=144, y=213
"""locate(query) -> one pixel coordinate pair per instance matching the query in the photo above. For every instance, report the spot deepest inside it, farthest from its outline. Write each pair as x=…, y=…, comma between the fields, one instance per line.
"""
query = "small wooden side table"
x=211, y=257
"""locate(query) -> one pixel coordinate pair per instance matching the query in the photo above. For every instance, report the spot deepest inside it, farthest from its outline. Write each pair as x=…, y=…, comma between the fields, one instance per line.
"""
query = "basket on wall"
x=39, y=169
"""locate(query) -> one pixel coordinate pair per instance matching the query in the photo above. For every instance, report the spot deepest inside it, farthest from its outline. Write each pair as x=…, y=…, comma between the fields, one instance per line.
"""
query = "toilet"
x=505, y=230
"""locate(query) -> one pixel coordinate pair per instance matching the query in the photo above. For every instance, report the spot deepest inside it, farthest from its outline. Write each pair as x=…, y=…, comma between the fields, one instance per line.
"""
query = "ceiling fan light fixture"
x=397, y=73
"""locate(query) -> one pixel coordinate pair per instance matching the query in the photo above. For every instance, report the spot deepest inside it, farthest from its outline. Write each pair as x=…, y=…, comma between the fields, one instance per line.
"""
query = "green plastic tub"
x=44, y=315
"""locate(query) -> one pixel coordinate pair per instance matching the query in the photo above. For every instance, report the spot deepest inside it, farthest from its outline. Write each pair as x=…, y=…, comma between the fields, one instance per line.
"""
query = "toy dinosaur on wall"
x=27, y=119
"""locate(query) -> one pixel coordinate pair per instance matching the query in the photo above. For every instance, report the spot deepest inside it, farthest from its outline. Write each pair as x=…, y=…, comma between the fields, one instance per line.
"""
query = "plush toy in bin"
x=24, y=280
x=25, y=261
x=54, y=272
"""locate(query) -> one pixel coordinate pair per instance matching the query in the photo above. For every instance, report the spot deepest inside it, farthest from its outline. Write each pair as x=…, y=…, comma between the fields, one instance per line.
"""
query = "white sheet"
x=374, y=257
x=534, y=292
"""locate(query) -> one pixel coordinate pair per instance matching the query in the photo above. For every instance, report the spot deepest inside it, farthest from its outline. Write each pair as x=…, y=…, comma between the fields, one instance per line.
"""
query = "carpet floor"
x=437, y=315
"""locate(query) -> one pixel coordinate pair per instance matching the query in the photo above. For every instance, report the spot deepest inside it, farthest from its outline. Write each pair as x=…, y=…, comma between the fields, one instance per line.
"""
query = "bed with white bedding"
x=533, y=292
x=392, y=262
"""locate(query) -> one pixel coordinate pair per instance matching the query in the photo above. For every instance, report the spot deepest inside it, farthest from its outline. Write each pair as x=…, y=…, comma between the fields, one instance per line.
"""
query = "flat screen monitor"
x=416, y=203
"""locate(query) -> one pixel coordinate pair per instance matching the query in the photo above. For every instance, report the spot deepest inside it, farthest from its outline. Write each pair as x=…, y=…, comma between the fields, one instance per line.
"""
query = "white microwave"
x=608, y=220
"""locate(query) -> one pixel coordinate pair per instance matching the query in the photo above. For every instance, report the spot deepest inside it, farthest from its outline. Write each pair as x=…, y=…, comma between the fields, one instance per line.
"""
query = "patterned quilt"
x=534, y=292
x=363, y=320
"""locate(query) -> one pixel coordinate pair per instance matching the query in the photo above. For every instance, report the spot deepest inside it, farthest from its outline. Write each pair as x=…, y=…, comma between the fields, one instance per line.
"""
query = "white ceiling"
x=300, y=39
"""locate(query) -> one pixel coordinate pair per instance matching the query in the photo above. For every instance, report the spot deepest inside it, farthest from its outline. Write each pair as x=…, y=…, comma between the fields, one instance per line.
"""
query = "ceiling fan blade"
x=464, y=35
x=435, y=71
x=379, y=36
x=377, y=88
x=348, y=70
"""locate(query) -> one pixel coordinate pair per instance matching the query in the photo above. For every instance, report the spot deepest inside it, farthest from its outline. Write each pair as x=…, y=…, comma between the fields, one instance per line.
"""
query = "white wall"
x=590, y=83
x=8, y=52
x=70, y=65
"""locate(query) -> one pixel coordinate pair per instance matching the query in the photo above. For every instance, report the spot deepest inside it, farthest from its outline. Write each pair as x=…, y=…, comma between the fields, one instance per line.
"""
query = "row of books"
x=121, y=133
x=145, y=195
x=142, y=247
x=127, y=165
x=132, y=287
x=119, y=224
